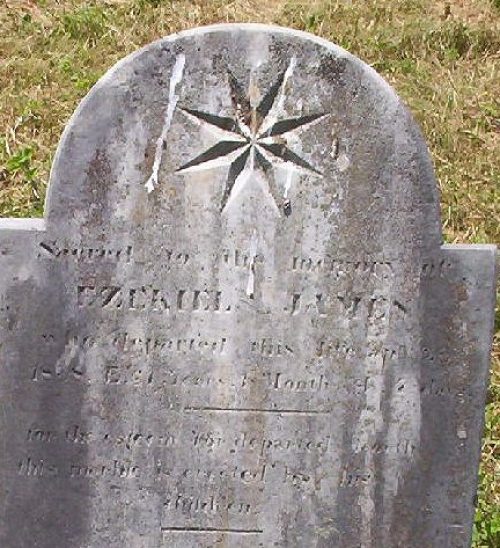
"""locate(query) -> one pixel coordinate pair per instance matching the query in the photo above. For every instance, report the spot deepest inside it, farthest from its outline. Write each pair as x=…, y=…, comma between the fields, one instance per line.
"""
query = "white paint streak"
x=175, y=79
x=288, y=75
x=251, y=266
x=69, y=354
x=253, y=91
x=343, y=162
x=288, y=183
x=334, y=152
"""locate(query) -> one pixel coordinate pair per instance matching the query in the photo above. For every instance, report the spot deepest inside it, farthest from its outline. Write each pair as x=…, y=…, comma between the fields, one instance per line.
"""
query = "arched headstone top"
x=236, y=325
x=235, y=122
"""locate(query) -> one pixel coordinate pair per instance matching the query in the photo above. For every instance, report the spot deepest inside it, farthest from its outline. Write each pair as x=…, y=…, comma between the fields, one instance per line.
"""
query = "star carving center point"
x=254, y=137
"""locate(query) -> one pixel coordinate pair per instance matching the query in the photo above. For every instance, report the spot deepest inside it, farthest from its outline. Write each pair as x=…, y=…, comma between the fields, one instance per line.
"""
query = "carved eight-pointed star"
x=253, y=136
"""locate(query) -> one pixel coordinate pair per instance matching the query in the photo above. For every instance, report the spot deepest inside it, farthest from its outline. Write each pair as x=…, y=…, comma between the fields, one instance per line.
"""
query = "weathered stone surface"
x=236, y=325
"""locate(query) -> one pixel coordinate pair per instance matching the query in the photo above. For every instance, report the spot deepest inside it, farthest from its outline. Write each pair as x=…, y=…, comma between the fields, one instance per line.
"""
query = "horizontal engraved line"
x=211, y=530
x=255, y=410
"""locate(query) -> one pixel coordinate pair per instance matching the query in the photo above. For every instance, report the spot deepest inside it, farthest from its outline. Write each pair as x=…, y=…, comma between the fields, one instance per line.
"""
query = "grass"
x=442, y=57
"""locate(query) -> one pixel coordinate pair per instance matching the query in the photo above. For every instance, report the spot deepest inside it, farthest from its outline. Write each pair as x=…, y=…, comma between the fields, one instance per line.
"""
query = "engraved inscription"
x=151, y=298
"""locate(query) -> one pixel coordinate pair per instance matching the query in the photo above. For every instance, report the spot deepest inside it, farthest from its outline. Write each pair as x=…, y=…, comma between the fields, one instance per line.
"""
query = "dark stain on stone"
x=332, y=68
x=99, y=181
x=219, y=62
x=280, y=51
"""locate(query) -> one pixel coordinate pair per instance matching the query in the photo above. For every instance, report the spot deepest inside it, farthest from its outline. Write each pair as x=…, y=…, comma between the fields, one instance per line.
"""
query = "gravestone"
x=237, y=324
